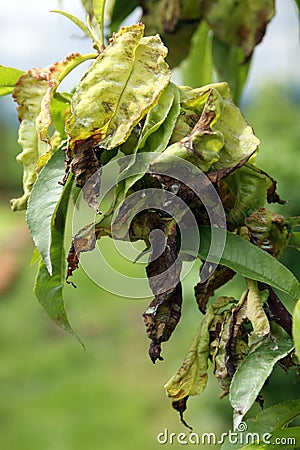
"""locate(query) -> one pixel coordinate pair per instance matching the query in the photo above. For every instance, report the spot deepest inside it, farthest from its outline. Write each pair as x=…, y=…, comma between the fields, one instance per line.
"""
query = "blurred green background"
x=54, y=395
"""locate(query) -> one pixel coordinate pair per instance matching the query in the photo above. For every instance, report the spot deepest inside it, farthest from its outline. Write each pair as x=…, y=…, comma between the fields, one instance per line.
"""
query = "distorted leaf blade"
x=296, y=328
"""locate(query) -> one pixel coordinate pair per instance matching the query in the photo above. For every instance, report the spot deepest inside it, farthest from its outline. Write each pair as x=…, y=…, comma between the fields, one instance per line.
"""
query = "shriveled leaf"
x=191, y=377
x=8, y=78
x=252, y=374
x=255, y=312
x=163, y=271
x=203, y=291
x=33, y=93
x=49, y=289
x=268, y=421
x=251, y=262
x=42, y=205
x=112, y=98
x=296, y=328
x=244, y=191
x=239, y=23
x=221, y=139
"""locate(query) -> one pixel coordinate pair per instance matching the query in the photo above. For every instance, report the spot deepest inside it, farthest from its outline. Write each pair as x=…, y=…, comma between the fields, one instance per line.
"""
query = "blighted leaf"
x=252, y=374
x=268, y=231
x=251, y=262
x=42, y=205
x=268, y=421
x=49, y=288
x=221, y=139
x=191, y=378
x=112, y=98
x=296, y=328
x=34, y=93
x=255, y=312
x=243, y=192
x=280, y=314
x=239, y=23
x=8, y=78
x=203, y=291
x=163, y=271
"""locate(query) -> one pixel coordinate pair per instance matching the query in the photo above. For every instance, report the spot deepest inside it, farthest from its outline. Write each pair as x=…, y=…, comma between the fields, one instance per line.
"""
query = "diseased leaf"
x=296, y=328
x=251, y=375
x=106, y=111
x=163, y=271
x=255, y=312
x=239, y=23
x=49, y=289
x=203, y=291
x=191, y=378
x=34, y=93
x=8, y=78
x=221, y=138
x=268, y=421
x=42, y=205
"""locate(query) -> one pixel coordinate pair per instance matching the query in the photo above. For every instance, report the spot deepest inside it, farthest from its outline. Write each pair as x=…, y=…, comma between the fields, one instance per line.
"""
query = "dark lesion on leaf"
x=180, y=406
x=164, y=312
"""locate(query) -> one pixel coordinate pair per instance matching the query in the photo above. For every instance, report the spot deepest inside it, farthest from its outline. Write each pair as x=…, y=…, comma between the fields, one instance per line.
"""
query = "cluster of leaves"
x=126, y=105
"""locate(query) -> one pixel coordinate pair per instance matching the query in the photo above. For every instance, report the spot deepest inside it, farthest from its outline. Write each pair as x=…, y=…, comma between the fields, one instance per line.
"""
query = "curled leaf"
x=255, y=312
x=33, y=93
x=112, y=98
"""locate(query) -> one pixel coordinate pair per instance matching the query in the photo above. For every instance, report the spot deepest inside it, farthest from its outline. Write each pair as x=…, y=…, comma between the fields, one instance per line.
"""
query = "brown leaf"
x=163, y=313
x=203, y=291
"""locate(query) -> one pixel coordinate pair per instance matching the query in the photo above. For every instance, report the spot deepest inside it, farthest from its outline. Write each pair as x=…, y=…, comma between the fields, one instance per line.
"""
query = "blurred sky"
x=30, y=36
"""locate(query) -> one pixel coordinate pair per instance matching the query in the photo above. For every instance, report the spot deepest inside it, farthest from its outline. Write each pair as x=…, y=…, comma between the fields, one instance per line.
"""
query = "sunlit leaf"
x=8, y=78
x=112, y=98
x=252, y=374
x=42, y=205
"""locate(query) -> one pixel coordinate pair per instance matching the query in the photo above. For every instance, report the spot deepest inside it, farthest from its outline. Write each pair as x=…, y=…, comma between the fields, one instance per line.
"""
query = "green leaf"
x=122, y=85
x=77, y=22
x=249, y=261
x=231, y=66
x=268, y=421
x=196, y=69
x=99, y=6
x=49, y=289
x=296, y=328
x=8, y=78
x=251, y=375
x=42, y=205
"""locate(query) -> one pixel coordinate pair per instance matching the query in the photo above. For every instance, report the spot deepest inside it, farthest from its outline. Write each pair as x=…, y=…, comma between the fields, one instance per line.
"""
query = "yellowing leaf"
x=122, y=85
x=34, y=93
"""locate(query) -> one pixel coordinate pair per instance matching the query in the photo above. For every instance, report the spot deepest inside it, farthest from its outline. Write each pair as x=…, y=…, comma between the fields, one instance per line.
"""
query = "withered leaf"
x=163, y=313
x=203, y=291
